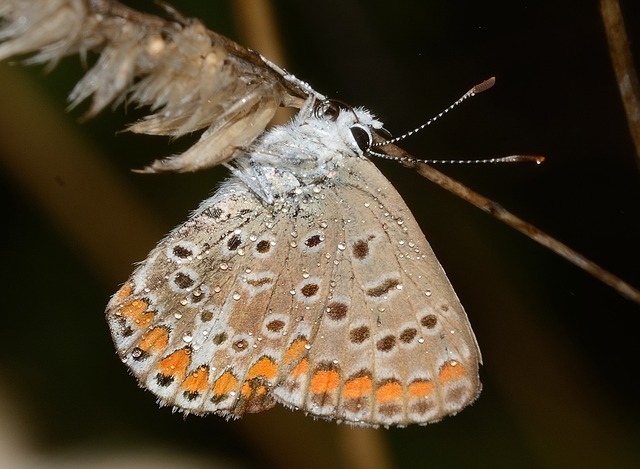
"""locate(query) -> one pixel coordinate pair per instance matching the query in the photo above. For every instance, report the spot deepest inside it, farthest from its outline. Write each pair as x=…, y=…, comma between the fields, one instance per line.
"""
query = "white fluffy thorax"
x=302, y=154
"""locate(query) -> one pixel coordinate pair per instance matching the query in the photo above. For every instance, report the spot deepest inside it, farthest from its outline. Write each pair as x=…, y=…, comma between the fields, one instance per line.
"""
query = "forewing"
x=225, y=307
x=177, y=322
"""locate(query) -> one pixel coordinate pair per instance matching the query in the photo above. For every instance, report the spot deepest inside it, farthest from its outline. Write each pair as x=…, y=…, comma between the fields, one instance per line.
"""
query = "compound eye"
x=328, y=110
x=362, y=137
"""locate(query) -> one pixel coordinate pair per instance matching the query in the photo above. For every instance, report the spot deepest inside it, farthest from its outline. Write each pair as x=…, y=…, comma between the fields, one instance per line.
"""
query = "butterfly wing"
x=334, y=303
x=213, y=319
x=392, y=344
x=194, y=323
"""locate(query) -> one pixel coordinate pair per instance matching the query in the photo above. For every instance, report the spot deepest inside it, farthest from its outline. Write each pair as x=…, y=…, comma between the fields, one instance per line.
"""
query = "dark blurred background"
x=560, y=348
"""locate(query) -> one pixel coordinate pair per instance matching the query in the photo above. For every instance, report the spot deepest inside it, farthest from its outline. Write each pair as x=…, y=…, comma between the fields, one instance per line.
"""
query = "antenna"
x=479, y=88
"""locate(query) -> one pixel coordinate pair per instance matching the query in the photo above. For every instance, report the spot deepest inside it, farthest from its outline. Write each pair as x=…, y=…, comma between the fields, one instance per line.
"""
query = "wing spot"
x=300, y=369
x=255, y=397
x=220, y=338
x=310, y=289
x=265, y=366
x=196, y=383
x=263, y=246
x=182, y=252
x=360, y=249
x=215, y=212
x=313, y=241
x=451, y=371
x=386, y=344
x=206, y=316
x=325, y=379
x=183, y=280
x=155, y=341
x=295, y=350
x=429, y=321
x=259, y=282
x=420, y=388
x=422, y=407
x=276, y=325
x=137, y=311
x=337, y=311
x=407, y=336
x=359, y=334
x=384, y=288
x=358, y=385
x=175, y=365
x=390, y=410
x=123, y=293
x=224, y=385
x=388, y=390
x=164, y=380
x=240, y=345
x=234, y=242
x=137, y=354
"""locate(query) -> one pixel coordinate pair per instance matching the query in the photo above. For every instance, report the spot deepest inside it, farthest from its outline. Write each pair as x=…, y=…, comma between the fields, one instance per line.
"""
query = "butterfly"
x=304, y=280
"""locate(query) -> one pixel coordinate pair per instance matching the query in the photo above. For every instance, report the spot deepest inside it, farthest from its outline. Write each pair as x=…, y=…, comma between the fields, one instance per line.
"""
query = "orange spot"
x=136, y=310
x=301, y=368
x=225, y=384
x=124, y=293
x=419, y=389
x=251, y=389
x=357, y=387
x=295, y=350
x=390, y=391
x=197, y=381
x=265, y=366
x=176, y=364
x=246, y=389
x=324, y=381
x=155, y=341
x=451, y=371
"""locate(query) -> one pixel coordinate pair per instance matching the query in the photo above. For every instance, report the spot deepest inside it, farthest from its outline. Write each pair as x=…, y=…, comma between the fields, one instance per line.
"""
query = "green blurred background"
x=560, y=349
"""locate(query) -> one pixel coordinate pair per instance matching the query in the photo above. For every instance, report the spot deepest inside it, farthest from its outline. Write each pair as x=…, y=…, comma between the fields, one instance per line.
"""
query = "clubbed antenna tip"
x=484, y=86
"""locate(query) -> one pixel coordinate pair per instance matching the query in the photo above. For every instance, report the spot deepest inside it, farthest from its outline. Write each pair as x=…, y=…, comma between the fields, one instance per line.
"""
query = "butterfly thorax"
x=300, y=158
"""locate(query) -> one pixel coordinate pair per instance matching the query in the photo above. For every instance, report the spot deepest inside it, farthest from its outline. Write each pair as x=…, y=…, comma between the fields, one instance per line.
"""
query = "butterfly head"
x=353, y=126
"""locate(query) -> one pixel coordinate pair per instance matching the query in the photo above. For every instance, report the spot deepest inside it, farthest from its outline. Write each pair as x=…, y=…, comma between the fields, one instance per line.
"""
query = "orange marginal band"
x=176, y=364
x=324, y=381
x=451, y=371
x=124, y=293
x=155, y=341
x=136, y=311
x=357, y=387
x=265, y=366
x=197, y=381
x=295, y=350
x=390, y=391
x=300, y=369
x=419, y=389
x=225, y=384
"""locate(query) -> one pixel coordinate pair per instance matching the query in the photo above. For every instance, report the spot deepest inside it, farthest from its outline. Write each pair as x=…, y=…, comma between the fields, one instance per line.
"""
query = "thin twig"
x=623, y=66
